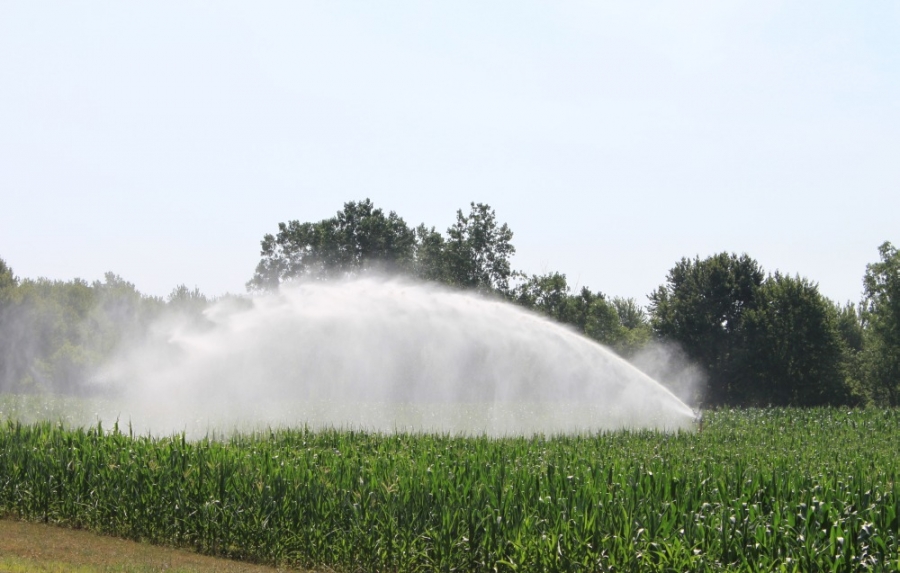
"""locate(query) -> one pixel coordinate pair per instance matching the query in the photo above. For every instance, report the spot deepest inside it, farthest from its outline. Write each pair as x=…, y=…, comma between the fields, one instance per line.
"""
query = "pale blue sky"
x=161, y=140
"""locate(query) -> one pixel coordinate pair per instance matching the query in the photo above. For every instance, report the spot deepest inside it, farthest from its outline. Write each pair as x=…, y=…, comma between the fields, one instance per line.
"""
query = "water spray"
x=384, y=355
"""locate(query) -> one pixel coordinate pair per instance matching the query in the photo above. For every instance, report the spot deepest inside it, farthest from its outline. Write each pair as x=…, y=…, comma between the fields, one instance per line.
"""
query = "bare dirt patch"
x=32, y=547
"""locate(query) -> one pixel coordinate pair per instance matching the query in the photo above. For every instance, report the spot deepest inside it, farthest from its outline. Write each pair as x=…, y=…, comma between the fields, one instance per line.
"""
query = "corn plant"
x=756, y=490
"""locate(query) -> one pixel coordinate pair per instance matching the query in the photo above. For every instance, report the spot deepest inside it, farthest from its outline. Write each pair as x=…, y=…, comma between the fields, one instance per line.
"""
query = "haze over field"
x=161, y=140
x=380, y=355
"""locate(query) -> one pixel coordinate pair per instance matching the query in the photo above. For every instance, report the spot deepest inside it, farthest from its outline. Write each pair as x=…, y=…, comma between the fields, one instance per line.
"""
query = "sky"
x=161, y=140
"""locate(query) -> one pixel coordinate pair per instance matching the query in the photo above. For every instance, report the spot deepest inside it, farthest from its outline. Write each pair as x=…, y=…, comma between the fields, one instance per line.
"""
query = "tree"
x=429, y=257
x=631, y=314
x=880, y=311
x=183, y=299
x=477, y=251
x=54, y=339
x=120, y=313
x=588, y=312
x=8, y=330
x=850, y=329
x=637, y=331
x=8, y=280
x=54, y=334
x=760, y=342
x=475, y=254
x=367, y=239
x=701, y=308
x=794, y=352
x=357, y=239
x=602, y=322
x=547, y=294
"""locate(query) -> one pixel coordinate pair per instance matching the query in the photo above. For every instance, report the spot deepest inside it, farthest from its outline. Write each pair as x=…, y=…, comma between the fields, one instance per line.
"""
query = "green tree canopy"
x=7, y=278
x=620, y=324
x=8, y=284
x=475, y=254
x=701, y=308
x=794, y=350
x=358, y=238
x=881, y=318
x=54, y=334
x=478, y=250
x=772, y=341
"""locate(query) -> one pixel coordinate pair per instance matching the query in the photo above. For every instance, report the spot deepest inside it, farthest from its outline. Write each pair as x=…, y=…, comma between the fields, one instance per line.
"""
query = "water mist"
x=381, y=355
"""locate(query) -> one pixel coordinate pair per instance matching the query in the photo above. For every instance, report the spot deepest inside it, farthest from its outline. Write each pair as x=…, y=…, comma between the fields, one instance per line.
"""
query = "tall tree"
x=8, y=280
x=475, y=254
x=794, y=350
x=850, y=329
x=478, y=250
x=701, y=308
x=429, y=258
x=776, y=341
x=357, y=239
x=8, y=329
x=881, y=319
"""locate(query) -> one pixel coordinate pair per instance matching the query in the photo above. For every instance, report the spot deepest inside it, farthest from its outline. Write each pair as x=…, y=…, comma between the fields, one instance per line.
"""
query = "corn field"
x=756, y=490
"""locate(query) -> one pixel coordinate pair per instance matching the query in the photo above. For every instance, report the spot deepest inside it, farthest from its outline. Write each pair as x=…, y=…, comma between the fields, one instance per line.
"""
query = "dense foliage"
x=758, y=339
x=756, y=490
x=702, y=309
x=762, y=340
x=55, y=334
x=881, y=315
x=361, y=238
x=474, y=254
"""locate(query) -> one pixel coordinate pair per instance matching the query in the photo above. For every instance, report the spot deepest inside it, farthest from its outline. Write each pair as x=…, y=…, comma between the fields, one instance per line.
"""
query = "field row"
x=791, y=490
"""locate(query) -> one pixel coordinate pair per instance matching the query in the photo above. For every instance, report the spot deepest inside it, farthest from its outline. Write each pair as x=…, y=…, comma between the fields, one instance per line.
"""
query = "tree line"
x=54, y=334
x=760, y=339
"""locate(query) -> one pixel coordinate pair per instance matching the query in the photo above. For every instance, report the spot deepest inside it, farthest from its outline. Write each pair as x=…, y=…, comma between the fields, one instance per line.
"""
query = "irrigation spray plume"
x=382, y=355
